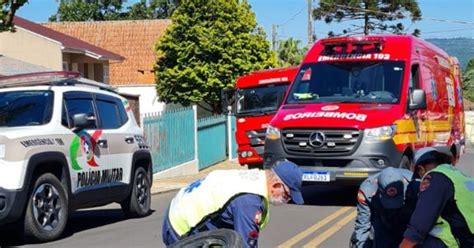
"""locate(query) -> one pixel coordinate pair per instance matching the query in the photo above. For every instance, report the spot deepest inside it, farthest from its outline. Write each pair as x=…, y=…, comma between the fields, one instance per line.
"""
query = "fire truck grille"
x=326, y=142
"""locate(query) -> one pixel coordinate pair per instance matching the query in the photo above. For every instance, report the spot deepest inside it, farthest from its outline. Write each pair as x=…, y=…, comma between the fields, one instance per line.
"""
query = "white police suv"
x=67, y=143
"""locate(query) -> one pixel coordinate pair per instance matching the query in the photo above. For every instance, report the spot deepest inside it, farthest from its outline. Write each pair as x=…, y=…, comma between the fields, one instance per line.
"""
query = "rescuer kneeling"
x=232, y=199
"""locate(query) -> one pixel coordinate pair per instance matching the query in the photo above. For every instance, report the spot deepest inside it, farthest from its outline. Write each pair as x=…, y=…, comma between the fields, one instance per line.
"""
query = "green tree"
x=101, y=10
x=468, y=81
x=376, y=14
x=209, y=44
x=289, y=52
x=88, y=10
x=7, y=13
x=152, y=9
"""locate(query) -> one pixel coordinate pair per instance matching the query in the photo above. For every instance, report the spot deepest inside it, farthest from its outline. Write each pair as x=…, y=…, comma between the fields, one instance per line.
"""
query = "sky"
x=291, y=17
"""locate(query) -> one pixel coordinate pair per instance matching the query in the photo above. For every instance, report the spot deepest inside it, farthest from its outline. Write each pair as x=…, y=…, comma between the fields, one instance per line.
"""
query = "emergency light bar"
x=50, y=78
x=38, y=78
x=359, y=42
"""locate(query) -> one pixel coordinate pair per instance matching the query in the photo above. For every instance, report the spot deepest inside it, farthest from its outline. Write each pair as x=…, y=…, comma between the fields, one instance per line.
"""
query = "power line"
x=291, y=36
x=443, y=31
x=293, y=17
x=408, y=29
x=394, y=15
x=445, y=20
x=277, y=26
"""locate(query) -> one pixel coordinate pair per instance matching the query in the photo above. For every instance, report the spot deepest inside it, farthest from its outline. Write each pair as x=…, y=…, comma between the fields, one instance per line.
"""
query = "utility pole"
x=310, y=22
x=274, y=36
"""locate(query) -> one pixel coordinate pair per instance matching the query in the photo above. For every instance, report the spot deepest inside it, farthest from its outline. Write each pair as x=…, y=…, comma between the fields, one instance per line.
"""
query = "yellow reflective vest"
x=464, y=197
x=210, y=195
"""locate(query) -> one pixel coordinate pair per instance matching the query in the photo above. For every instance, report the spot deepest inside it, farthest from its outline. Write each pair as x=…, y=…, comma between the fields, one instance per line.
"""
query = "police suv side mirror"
x=83, y=121
x=418, y=100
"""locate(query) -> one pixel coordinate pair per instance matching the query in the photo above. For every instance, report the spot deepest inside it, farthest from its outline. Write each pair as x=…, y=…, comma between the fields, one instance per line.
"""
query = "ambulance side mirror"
x=418, y=100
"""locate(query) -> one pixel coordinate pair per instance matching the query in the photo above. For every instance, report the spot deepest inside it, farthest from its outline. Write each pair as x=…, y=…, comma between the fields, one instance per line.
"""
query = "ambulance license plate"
x=316, y=176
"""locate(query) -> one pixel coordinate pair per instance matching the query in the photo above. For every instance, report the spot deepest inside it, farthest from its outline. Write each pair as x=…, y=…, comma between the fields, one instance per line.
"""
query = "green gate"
x=170, y=135
x=211, y=140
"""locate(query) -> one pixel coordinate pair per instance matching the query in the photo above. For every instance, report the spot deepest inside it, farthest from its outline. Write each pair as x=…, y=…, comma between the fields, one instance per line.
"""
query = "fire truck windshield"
x=260, y=100
x=348, y=82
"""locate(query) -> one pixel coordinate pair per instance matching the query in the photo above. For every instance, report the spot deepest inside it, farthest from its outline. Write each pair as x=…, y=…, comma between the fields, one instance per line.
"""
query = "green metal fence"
x=211, y=140
x=170, y=135
x=233, y=141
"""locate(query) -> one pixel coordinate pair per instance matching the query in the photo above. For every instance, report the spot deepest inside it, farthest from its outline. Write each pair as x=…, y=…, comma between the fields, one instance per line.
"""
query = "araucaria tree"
x=377, y=15
x=209, y=44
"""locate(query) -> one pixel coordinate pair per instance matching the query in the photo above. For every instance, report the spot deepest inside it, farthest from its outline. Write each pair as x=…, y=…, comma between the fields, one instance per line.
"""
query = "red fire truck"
x=360, y=104
x=258, y=96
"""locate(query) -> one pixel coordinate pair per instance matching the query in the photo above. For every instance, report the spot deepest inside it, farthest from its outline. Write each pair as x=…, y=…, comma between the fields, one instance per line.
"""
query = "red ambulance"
x=360, y=104
x=258, y=96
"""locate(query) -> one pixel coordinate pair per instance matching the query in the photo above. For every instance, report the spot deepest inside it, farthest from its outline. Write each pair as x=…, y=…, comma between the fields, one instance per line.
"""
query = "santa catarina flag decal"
x=87, y=144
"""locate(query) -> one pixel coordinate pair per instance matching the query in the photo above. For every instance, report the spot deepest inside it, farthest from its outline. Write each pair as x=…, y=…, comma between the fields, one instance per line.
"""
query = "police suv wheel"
x=138, y=202
x=47, y=210
x=226, y=238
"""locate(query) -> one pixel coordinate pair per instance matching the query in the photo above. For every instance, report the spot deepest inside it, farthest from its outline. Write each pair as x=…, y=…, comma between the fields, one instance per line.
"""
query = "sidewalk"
x=175, y=183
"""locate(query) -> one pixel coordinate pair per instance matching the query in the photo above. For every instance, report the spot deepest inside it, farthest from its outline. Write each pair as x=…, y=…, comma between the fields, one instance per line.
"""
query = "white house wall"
x=147, y=96
x=31, y=48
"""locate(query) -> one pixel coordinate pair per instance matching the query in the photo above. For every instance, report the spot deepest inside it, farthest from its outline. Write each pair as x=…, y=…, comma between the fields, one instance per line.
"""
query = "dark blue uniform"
x=385, y=225
x=243, y=215
x=436, y=199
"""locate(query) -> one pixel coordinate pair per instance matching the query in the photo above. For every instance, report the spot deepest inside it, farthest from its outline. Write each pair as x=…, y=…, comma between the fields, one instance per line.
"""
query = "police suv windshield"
x=260, y=100
x=348, y=82
x=25, y=108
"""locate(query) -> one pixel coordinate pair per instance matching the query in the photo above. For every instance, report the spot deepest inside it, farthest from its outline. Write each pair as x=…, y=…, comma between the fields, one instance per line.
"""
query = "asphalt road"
x=327, y=221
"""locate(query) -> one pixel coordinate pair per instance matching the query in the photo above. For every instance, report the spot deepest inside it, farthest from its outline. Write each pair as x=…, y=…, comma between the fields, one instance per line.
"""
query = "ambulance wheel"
x=214, y=238
x=47, y=210
x=138, y=202
x=405, y=163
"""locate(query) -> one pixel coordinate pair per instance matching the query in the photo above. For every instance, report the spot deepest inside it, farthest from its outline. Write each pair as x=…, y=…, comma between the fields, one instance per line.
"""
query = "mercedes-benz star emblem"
x=317, y=139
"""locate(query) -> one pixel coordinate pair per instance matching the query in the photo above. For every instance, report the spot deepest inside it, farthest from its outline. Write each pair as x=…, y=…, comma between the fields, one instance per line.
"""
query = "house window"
x=65, y=66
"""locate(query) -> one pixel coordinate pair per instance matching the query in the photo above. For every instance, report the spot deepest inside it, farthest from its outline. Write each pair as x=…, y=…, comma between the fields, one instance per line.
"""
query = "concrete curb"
x=166, y=185
x=155, y=190
x=159, y=192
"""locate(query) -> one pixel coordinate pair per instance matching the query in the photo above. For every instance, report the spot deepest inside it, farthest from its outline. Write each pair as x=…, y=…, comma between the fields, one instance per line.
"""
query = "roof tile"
x=67, y=41
x=133, y=39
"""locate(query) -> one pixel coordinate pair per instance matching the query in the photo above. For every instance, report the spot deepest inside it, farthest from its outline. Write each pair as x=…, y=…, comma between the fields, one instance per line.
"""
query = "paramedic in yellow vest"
x=445, y=206
x=232, y=199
